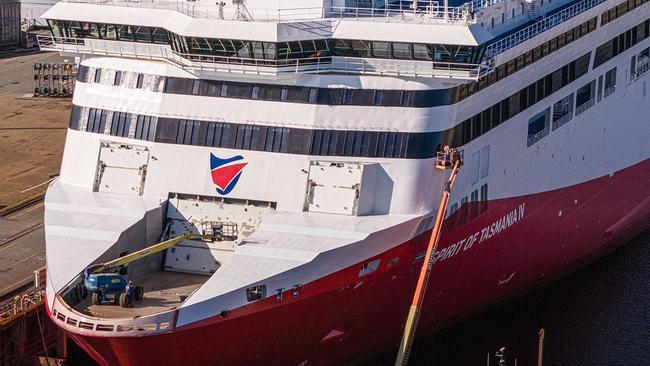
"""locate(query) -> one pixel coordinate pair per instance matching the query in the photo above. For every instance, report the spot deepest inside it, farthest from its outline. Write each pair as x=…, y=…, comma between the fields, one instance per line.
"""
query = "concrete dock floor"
x=32, y=136
x=32, y=130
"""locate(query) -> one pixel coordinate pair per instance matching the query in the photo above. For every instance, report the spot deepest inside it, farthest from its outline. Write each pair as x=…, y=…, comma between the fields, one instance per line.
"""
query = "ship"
x=291, y=145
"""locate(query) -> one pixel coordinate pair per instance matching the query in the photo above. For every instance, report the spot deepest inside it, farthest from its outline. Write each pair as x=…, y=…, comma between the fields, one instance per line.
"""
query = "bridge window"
x=422, y=52
x=98, y=75
x=381, y=49
x=402, y=51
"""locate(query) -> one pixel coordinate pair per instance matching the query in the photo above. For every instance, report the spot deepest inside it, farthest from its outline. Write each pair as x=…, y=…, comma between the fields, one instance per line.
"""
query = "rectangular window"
x=145, y=128
x=585, y=97
x=610, y=82
x=275, y=138
x=141, y=34
x=538, y=127
x=217, y=134
x=402, y=51
x=422, y=52
x=381, y=49
x=604, y=53
x=178, y=86
x=96, y=120
x=377, y=98
x=76, y=117
x=121, y=124
x=562, y=111
x=139, y=81
x=98, y=75
x=196, y=87
x=600, y=88
x=118, y=78
x=187, y=132
x=313, y=95
x=407, y=98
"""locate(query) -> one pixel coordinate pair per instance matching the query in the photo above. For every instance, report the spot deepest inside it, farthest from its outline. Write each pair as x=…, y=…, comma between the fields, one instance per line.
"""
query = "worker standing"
x=130, y=288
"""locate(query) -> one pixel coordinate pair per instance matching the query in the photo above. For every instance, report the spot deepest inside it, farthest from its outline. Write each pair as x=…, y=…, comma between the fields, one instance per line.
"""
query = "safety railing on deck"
x=327, y=64
x=228, y=12
x=532, y=139
x=407, y=11
x=562, y=120
x=535, y=29
x=641, y=69
x=584, y=106
x=425, y=12
x=25, y=302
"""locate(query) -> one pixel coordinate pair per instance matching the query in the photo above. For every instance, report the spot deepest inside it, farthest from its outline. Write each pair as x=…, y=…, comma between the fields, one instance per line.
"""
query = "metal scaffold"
x=54, y=79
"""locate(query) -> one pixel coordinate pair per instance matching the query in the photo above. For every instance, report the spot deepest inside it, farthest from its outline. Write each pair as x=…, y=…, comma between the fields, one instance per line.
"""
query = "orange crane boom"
x=414, y=311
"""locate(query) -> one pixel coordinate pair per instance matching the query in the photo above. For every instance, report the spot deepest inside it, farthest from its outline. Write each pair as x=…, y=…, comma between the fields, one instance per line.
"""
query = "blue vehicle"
x=106, y=282
x=109, y=288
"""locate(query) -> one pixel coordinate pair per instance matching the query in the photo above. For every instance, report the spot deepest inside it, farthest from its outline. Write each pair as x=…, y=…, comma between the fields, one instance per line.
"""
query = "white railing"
x=584, y=106
x=71, y=320
x=477, y=5
x=241, y=65
x=25, y=302
x=535, y=29
x=229, y=12
x=562, y=120
x=425, y=11
x=641, y=70
x=609, y=91
x=538, y=136
x=432, y=12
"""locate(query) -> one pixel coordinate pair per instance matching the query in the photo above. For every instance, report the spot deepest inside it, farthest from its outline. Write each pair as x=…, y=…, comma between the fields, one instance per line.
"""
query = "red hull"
x=343, y=318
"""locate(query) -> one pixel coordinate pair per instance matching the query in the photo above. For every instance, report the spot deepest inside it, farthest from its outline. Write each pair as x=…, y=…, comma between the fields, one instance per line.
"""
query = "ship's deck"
x=162, y=291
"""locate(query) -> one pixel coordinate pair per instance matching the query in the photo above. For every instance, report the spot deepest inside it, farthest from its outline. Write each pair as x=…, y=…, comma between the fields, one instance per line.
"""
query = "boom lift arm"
x=156, y=248
x=449, y=159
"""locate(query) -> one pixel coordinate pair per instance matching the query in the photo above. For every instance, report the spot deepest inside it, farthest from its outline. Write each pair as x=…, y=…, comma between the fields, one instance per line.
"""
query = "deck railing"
x=532, y=139
x=427, y=13
x=25, y=302
x=316, y=65
x=584, y=106
x=562, y=120
x=424, y=11
x=213, y=12
x=537, y=28
x=641, y=70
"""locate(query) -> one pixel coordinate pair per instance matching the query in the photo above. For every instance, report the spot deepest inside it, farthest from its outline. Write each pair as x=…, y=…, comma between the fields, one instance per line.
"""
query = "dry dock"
x=32, y=136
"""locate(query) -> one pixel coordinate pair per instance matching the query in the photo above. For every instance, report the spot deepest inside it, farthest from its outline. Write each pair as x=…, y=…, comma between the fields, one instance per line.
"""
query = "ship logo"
x=226, y=172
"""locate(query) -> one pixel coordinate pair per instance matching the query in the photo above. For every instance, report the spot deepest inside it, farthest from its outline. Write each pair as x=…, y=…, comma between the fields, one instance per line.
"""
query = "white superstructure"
x=308, y=130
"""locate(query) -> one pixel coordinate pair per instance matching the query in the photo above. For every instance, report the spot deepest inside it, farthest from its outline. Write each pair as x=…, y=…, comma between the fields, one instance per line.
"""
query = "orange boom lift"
x=448, y=159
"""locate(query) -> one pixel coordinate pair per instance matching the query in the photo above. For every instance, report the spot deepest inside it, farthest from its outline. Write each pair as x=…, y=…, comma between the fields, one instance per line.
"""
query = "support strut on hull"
x=447, y=159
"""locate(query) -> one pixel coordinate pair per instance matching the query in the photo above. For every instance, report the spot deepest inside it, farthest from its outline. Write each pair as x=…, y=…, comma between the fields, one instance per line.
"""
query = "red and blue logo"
x=226, y=172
